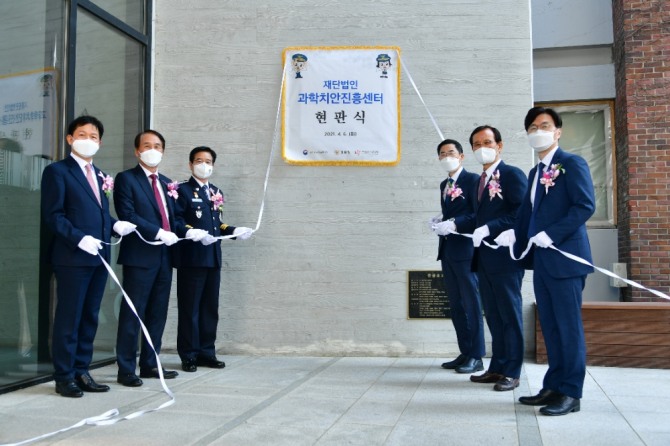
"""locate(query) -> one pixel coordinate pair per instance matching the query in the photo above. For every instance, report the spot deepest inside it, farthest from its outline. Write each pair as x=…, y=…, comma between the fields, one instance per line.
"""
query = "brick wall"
x=642, y=66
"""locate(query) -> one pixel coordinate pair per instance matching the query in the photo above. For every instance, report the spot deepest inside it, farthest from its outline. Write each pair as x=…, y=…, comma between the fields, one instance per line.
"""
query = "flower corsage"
x=217, y=201
x=549, y=177
x=494, y=186
x=172, y=189
x=107, y=184
x=453, y=191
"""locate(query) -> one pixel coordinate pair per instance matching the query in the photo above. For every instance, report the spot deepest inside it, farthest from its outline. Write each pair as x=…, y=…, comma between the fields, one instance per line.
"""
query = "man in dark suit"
x=199, y=217
x=499, y=193
x=76, y=210
x=559, y=201
x=455, y=252
x=146, y=198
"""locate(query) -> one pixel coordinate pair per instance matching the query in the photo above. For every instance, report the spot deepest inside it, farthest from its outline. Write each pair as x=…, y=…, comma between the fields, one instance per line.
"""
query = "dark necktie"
x=447, y=189
x=536, y=200
x=482, y=185
x=164, y=219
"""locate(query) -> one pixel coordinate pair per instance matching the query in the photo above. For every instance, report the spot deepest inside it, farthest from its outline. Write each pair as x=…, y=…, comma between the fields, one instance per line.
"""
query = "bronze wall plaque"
x=427, y=297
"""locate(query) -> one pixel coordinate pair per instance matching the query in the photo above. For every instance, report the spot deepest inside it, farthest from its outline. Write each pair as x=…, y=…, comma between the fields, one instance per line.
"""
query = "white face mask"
x=202, y=170
x=449, y=164
x=485, y=155
x=541, y=140
x=151, y=157
x=85, y=147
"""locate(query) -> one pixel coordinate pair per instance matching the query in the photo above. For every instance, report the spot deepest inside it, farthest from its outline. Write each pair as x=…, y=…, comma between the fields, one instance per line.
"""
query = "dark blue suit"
x=499, y=276
x=561, y=212
x=70, y=210
x=198, y=272
x=456, y=253
x=147, y=269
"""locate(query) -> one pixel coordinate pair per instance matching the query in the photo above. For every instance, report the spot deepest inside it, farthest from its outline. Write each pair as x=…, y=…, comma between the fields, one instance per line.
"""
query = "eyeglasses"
x=451, y=153
x=545, y=126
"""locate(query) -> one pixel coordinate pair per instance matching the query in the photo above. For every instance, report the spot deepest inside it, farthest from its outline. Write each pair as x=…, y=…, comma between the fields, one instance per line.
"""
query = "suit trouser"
x=149, y=290
x=466, y=310
x=559, y=306
x=501, y=298
x=79, y=291
x=198, y=303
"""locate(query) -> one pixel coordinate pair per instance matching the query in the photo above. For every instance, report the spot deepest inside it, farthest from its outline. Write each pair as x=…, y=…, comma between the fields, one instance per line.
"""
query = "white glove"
x=506, y=238
x=123, y=227
x=167, y=237
x=242, y=233
x=542, y=240
x=433, y=221
x=196, y=234
x=444, y=227
x=479, y=235
x=208, y=240
x=90, y=244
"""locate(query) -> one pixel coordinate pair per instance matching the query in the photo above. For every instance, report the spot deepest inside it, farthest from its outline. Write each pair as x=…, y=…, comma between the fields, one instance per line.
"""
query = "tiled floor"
x=344, y=401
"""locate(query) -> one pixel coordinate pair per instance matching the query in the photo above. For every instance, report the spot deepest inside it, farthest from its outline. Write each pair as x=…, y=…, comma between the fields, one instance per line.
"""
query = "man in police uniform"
x=299, y=62
x=199, y=217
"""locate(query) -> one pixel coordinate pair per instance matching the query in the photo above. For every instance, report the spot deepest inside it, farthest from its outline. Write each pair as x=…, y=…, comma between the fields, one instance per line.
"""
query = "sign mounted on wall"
x=341, y=106
x=28, y=112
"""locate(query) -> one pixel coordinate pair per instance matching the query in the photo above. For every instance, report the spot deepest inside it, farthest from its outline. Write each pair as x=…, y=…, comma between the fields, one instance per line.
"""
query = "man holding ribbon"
x=455, y=252
x=199, y=217
x=559, y=201
x=75, y=208
x=146, y=198
x=499, y=193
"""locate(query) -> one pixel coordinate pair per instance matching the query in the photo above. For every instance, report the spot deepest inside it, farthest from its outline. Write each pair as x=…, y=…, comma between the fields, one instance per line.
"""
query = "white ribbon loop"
x=111, y=416
x=105, y=422
x=576, y=259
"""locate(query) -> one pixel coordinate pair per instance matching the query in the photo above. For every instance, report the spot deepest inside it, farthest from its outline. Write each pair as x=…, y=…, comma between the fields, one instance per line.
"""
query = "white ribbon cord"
x=409, y=76
x=108, y=417
x=104, y=416
x=272, y=149
x=611, y=274
x=106, y=422
x=576, y=259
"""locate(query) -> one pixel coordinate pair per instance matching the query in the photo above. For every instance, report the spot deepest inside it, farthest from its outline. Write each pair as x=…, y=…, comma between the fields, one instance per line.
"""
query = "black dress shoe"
x=69, y=389
x=153, y=373
x=128, y=380
x=472, y=365
x=563, y=406
x=87, y=384
x=189, y=365
x=544, y=398
x=486, y=377
x=211, y=362
x=506, y=384
x=455, y=363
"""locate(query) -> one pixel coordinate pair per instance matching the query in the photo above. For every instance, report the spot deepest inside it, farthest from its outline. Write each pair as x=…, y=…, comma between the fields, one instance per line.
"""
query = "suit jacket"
x=135, y=202
x=499, y=214
x=195, y=211
x=462, y=210
x=562, y=212
x=70, y=210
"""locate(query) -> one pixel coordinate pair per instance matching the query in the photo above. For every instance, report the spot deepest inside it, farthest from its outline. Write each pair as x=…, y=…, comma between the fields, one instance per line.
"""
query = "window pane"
x=109, y=86
x=30, y=55
x=587, y=132
x=129, y=11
